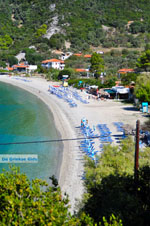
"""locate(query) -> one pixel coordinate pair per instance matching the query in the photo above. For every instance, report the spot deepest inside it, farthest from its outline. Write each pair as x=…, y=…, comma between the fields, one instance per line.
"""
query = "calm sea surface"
x=24, y=117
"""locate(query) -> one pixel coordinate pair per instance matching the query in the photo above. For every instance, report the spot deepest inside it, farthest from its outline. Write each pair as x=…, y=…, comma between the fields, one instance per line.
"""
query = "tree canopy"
x=142, y=88
x=110, y=185
x=127, y=78
x=24, y=202
x=41, y=31
x=143, y=62
x=32, y=203
x=97, y=64
x=5, y=42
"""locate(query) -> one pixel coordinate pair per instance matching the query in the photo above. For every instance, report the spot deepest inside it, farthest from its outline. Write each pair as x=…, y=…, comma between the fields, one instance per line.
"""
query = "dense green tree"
x=52, y=74
x=142, y=88
x=41, y=31
x=143, y=62
x=2, y=64
x=34, y=203
x=5, y=42
x=111, y=187
x=136, y=27
x=147, y=46
x=143, y=92
x=32, y=56
x=12, y=60
x=97, y=64
x=67, y=71
x=24, y=202
x=144, y=188
x=31, y=203
x=127, y=78
x=110, y=81
x=57, y=41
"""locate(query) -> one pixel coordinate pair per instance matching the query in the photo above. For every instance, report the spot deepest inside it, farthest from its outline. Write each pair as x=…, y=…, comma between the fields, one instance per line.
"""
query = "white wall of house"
x=55, y=65
x=31, y=68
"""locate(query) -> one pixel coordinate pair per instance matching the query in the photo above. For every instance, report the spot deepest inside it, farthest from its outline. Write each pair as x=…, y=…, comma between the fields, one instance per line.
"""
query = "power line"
x=48, y=141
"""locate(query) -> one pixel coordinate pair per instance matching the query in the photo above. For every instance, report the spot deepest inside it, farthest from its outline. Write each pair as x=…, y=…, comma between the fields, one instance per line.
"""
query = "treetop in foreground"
x=31, y=203
x=25, y=202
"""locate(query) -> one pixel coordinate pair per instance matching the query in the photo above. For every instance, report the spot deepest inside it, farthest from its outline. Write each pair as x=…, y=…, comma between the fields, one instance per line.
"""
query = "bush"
x=89, y=82
x=67, y=71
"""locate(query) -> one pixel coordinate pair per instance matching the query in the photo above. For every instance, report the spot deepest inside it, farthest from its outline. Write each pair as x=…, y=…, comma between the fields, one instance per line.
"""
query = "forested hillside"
x=88, y=18
x=83, y=23
x=21, y=19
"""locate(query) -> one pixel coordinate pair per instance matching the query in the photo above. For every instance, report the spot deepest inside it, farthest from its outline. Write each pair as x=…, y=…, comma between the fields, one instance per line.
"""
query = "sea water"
x=24, y=118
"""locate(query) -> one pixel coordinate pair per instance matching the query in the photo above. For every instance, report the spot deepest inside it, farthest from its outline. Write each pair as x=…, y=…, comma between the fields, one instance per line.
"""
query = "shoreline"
x=40, y=95
x=66, y=177
x=67, y=121
x=57, y=170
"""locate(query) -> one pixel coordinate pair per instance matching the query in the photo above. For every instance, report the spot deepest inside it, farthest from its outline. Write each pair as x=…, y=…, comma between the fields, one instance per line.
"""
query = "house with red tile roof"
x=20, y=67
x=80, y=54
x=23, y=68
x=77, y=54
x=125, y=70
x=53, y=63
x=87, y=56
x=81, y=70
x=10, y=68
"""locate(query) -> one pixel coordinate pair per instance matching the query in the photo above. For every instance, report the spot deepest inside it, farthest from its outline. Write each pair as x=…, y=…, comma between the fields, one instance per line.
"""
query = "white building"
x=53, y=63
x=121, y=92
x=65, y=56
x=121, y=89
x=31, y=68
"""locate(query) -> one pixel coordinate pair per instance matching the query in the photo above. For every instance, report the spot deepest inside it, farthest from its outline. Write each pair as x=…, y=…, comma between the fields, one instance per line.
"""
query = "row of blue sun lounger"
x=105, y=133
x=119, y=126
x=61, y=93
x=78, y=97
x=67, y=95
x=22, y=79
x=87, y=145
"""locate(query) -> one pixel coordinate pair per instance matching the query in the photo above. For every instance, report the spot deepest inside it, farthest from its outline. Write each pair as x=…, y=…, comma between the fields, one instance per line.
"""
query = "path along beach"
x=68, y=121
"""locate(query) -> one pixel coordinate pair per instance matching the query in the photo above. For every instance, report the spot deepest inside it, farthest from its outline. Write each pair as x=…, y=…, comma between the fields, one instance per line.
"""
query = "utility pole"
x=136, y=162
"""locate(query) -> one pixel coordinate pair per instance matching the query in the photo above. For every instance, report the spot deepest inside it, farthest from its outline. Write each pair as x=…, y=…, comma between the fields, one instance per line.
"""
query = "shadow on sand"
x=130, y=109
x=146, y=115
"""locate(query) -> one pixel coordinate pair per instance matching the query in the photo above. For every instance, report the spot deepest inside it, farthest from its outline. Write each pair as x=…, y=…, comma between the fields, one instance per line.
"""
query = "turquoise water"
x=24, y=117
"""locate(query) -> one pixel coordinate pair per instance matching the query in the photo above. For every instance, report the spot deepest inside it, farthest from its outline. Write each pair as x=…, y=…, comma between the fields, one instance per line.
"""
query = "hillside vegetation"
x=83, y=23
x=88, y=25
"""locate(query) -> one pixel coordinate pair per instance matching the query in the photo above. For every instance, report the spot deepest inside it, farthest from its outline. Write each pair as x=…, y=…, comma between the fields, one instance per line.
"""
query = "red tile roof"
x=125, y=70
x=10, y=68
x=20, y=66
x=80, y=70
x=77, y=54
x=87, y=56
x=52, y=60
x=80, y=54
x=130, y=22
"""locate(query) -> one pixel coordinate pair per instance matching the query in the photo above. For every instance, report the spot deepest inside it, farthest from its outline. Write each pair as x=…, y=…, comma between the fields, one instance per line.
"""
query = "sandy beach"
x=67, y=121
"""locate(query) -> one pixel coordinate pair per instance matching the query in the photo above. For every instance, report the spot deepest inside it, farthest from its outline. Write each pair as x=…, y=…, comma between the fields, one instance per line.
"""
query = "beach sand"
x=68, y=120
